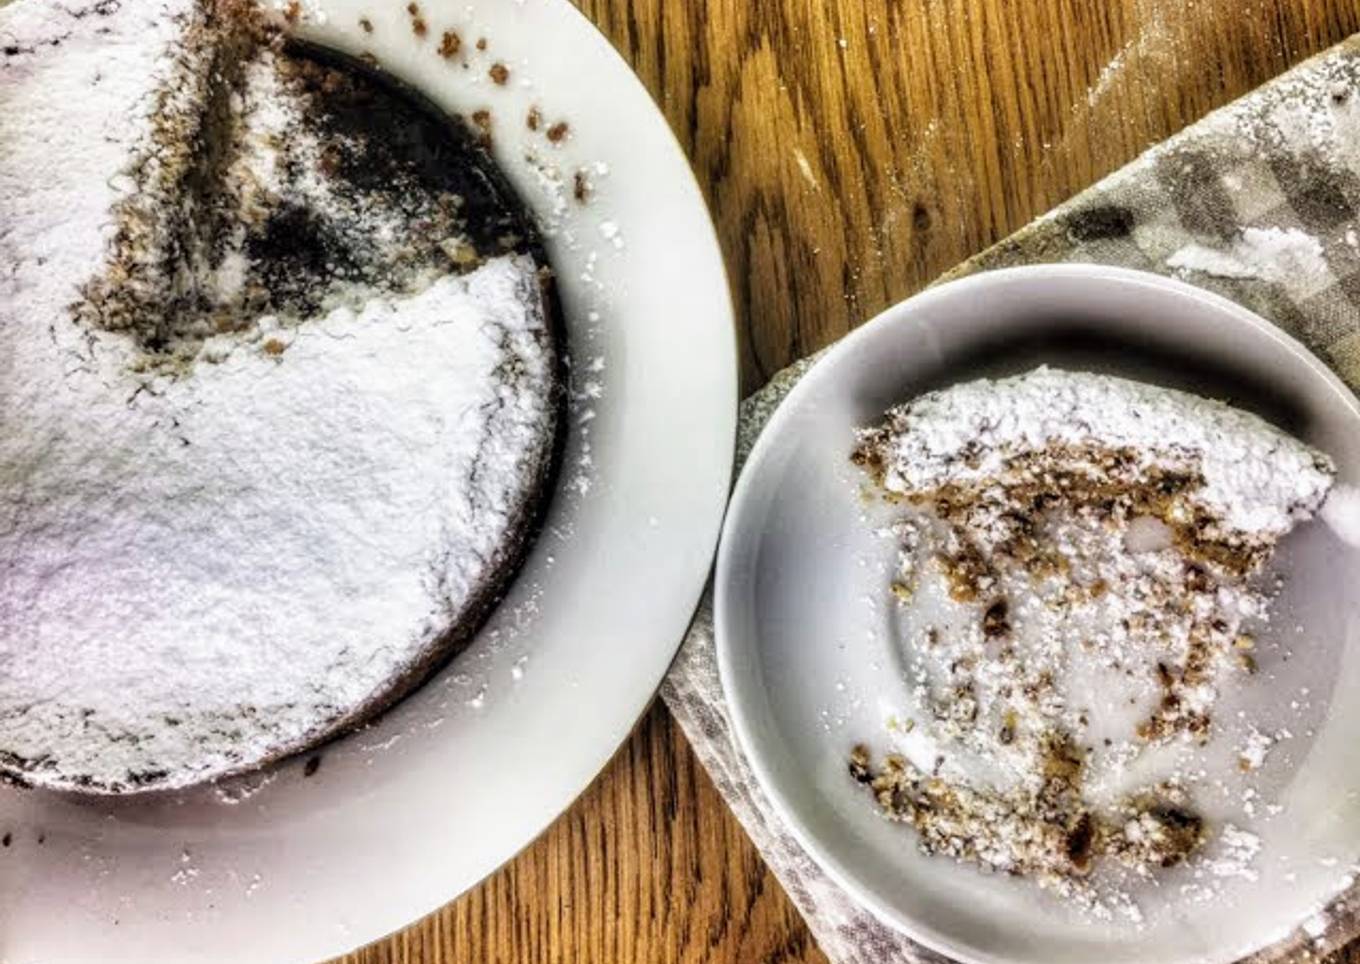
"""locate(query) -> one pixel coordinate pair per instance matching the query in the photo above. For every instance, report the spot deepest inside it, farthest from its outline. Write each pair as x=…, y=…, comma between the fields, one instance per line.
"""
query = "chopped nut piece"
x=859, y=765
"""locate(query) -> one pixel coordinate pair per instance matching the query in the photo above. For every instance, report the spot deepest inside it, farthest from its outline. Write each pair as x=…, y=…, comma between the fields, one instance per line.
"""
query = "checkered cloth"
x=1259, y=202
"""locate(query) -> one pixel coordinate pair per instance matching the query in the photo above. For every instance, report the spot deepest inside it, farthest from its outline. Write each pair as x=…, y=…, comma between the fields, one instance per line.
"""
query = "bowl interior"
x=811, y=666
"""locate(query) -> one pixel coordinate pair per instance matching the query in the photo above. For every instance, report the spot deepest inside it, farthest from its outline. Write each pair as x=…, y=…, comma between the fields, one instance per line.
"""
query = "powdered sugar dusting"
x=1254, y=749
x=329, y=490
x=559, y=191
x=1238, y=851
x=1341, y=512
x=1256, y=479
x=1310, y=111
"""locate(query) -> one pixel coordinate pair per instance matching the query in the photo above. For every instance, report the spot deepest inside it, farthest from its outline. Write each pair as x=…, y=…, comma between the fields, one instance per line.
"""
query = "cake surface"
x=279, y=393
x=1244, y=479
x=1079, y=577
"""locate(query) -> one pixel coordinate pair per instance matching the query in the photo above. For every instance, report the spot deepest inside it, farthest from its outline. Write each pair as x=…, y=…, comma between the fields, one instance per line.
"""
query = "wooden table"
x=850, y=150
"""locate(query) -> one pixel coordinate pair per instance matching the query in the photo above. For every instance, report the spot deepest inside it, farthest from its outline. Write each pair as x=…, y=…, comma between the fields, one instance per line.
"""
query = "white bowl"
x=402, y=817
x=806, y=650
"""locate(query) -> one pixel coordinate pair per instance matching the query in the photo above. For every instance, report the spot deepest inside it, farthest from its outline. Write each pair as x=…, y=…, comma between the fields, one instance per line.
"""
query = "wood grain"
x=850, y=150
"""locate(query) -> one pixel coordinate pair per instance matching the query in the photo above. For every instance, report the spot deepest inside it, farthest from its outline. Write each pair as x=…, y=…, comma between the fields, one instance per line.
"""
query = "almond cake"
x=280, y=391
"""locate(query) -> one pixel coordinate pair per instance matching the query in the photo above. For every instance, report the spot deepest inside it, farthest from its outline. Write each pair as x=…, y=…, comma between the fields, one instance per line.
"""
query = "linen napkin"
x=1260, y=202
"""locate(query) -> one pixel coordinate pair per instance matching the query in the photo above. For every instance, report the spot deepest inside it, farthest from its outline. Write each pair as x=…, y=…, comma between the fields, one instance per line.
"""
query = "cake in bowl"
x=1082, y=564
x=281, y=392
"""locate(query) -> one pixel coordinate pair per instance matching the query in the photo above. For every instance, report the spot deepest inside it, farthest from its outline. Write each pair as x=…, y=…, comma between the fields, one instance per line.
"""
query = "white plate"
x=402, y=817
x=805, y=624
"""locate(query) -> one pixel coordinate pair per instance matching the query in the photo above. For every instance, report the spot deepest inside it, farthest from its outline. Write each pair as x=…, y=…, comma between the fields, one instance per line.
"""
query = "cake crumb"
x=1252, y=755
x=449, y=44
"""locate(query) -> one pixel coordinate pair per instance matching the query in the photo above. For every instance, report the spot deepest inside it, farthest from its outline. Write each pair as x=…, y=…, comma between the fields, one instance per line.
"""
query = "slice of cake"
x=1227, y=483
x=280, y=392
